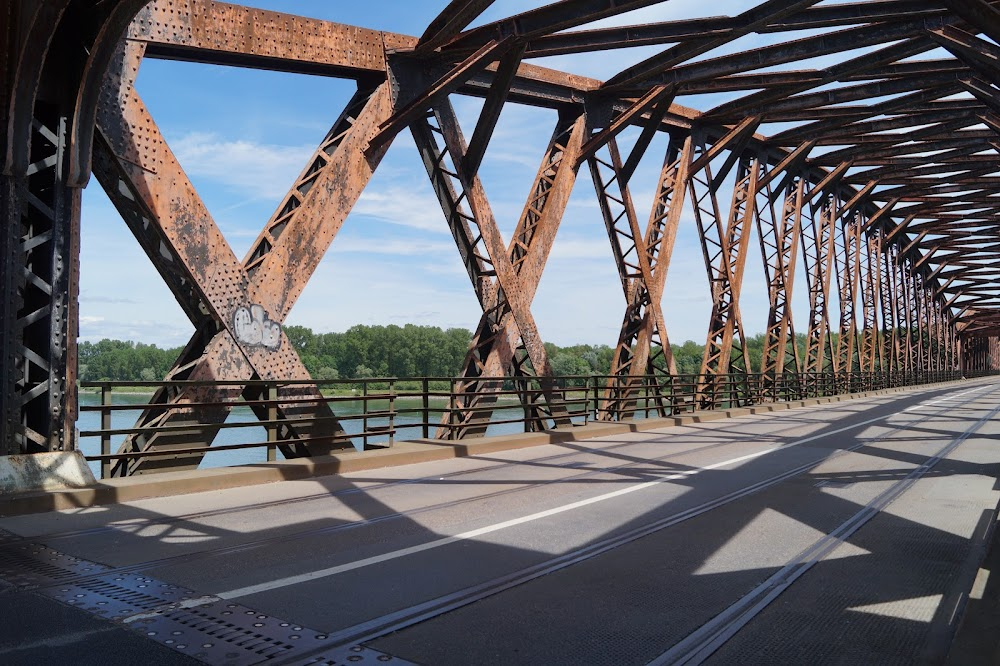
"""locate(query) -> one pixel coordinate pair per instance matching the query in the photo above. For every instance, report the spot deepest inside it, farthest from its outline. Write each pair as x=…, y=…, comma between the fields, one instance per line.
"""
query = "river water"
x=126, y=418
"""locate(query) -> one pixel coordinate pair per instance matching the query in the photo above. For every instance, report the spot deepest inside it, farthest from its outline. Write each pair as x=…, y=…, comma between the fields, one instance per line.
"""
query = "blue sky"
x=243, y=136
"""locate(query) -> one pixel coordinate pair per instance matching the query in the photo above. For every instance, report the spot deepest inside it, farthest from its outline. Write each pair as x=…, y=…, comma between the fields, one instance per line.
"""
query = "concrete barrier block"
x=44, y=471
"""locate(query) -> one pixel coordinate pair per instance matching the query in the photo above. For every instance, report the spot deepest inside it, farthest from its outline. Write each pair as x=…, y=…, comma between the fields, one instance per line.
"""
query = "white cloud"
x=582, y=248
x=393, y=246
x=258, y=170
x=408, y=207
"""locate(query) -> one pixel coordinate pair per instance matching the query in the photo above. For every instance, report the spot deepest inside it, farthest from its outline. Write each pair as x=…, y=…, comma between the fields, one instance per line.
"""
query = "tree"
x=326, y=373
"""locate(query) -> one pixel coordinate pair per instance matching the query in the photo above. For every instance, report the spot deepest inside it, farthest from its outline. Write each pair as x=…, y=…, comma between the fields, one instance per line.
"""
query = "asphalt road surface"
x=845, y=533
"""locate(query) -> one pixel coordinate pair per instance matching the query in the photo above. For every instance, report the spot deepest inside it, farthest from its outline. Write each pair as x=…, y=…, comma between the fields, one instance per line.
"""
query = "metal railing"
x=377, y=412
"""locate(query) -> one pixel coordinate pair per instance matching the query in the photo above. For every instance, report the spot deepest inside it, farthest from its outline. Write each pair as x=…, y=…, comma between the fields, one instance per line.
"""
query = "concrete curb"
x=114, y=491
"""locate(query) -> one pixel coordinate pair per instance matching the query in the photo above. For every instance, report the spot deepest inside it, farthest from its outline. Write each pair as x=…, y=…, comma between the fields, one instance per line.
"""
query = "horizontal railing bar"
x=582, y=397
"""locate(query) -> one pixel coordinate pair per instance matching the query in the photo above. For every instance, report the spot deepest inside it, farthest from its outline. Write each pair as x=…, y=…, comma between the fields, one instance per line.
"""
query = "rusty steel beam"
x=225, y=34
x=643, y=347
x=890, y=304
x=693, y=29
x=419, y=98
x=492, y=352
x=490, y=114
x=870, y=62
x=41, y=244
x=871, y=357
x=911, y=315
x=52, y=57
x=669, y=61
x=452, y=20
x=779, y=242
x=291, y=246
x=660, y=70
x=846, y=259
x=817, y=251
x=655, y=96
x=507, y=335
x=545, y=20
x=724, y=247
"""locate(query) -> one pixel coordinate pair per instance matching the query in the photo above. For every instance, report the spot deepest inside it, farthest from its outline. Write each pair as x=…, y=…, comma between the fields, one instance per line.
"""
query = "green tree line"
x=374, y=351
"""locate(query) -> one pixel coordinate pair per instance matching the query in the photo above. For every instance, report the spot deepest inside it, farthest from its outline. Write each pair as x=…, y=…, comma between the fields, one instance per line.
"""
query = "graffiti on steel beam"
x=252, y=325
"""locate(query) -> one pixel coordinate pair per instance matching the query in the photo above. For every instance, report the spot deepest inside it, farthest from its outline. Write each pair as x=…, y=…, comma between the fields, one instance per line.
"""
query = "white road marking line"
x=940, y=400
x=472, y=534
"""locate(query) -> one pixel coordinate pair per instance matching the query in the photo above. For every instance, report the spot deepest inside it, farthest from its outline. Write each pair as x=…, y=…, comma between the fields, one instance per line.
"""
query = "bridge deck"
x=846, y=533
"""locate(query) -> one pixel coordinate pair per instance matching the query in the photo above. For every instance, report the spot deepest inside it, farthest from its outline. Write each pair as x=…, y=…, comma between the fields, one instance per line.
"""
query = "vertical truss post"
x=871, y=350
x=963, y=355
x=847, y=258
x=920, y=322
x=818, y=251
x=887, y=293
x=11, y=278
x=503, y=294
x=946, y=333
x=725, y=250
x=40, y=255
x=906, y=319
x=494, y=351
x=946, y=337
x=945, y=328
x=954, y=347
x=779, y=242
x=642, y=261
x=941, y=327
x=902, y=309
x=911, y=316
x=933, y=342
x=934, y=332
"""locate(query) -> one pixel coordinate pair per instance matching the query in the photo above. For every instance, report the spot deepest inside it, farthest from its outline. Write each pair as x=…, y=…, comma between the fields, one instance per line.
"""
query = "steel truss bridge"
x=875, y=173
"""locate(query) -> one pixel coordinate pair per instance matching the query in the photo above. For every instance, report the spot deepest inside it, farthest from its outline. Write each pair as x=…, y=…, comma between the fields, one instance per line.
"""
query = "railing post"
x=271, y=393
x=425, y=386
x=452, y=407
x=364, y=412
x=392, y=412
x=597, y=398
x=106, y=438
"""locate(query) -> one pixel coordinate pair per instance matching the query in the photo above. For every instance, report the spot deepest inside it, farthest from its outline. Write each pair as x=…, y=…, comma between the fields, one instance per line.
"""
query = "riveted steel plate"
x=118, y=596
x=349, y=656
x=228, y=633
x=26, y=564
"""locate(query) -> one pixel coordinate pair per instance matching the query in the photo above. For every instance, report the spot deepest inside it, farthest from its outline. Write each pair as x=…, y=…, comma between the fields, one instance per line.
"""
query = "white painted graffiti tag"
x=253, y=327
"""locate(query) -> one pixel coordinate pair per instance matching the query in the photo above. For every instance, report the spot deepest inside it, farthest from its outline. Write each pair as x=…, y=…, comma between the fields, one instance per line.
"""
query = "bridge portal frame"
x=869, y=224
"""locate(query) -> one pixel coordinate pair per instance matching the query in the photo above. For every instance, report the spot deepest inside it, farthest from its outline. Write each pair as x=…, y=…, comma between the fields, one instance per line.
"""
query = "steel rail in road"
x=256, y=544
x=378, y=627
x=701, y=644
x=349, y=637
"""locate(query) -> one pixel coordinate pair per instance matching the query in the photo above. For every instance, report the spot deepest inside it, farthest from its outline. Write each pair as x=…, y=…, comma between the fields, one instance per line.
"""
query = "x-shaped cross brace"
x=237, y=307
x=642, y=259
x=505, y=279
x=779, y=242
